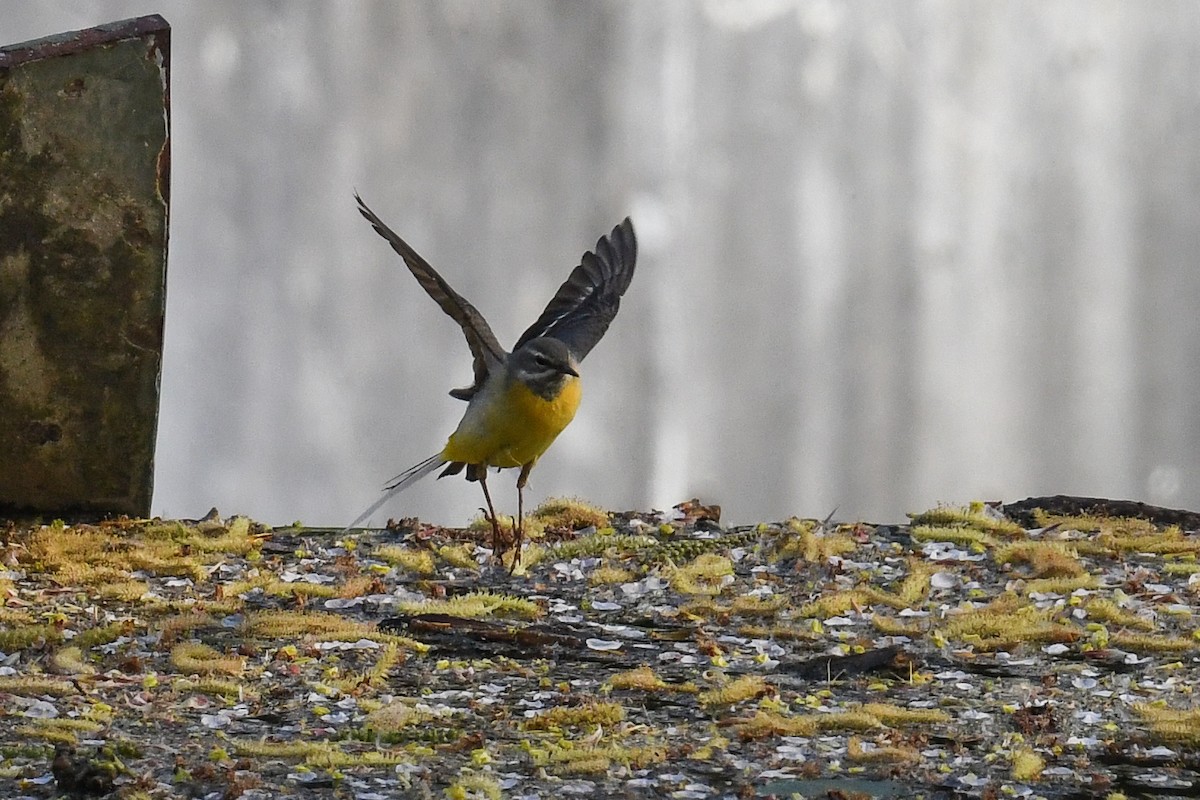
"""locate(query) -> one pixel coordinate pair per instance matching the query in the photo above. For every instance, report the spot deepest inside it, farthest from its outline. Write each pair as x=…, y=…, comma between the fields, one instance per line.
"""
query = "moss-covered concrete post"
x=84, y=169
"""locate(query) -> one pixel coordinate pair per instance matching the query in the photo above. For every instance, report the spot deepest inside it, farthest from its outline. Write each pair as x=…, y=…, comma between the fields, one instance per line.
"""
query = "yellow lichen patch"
x=834, y=603
x=707, y=574
x=33, y=685
x=261, y=748
x=355, y=586
x=104, y=555
x=475, y=605
x=54, y=545
x=1102, y=610
x=645, y=679
x=568, y=759
x=1171, y=725
x=973, y=516
x=170, y=564
x=11, y=617
x=321, y=626
x=1090, y=523
x=389, y=657
x=28, y=636
x=682, y=550
x=894, y=626
x=123, y=590
x=602, y=542
x=458, y=555
x=393, y=717
x=797, y=525
x=703, y=609
x=747, y=687
x=748, y=605
x=605, y=575
x=895, y=716
x=711, y=747
x=349, y=588
x=336, y=758
x=193, y=658
x=163, y=530
x=1171, y=541
x=570, y=514
x=771, y=723
x=45, y=733
x=45, y=726
x=69, y=661
x=588, y=714
x=482, y=524
x=291, y=624
x=301, y=588
x=1046, y=559
x=99, y=712
x=318, y=754
x=1061, y=585
x=639, y=757
x=103, y=634
x=915, y=586
x=642, y=678
x=1145, y=642
x=532, y=554
x=234, y=538
x=416, y=560
x=213, y=687
x=956, y=534
x=804, y=542
x=247, y=585
x=857, y=753
x=473, y=785
x=1004, y=623
x=1122, y=534
x=1027, y=765
x=77, y=573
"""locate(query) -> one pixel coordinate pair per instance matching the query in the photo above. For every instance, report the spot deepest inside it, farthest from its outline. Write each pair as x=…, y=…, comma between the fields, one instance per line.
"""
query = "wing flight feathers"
x=588, y=300
x=484, y=347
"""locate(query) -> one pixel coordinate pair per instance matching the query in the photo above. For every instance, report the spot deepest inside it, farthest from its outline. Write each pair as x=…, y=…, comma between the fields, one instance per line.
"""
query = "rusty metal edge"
x=63, y=44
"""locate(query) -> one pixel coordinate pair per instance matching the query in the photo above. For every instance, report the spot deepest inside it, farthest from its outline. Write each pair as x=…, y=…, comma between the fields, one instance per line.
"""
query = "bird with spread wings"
x=519, y=401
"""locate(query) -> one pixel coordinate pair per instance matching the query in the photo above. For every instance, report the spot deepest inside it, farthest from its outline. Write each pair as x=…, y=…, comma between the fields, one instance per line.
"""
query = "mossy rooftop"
x=1042, y=652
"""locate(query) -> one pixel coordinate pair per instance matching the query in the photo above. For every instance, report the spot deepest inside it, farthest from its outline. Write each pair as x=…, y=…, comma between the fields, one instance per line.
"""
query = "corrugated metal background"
x=892, y=253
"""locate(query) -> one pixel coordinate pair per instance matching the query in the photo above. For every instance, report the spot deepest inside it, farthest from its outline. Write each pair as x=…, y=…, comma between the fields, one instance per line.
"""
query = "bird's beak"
x=569, y=369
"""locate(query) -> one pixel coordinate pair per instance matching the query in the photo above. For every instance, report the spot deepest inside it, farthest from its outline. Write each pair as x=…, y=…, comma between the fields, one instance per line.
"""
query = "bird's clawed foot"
x=499, y=541
x=503, y=541
x=518, y=537
x=499, y=545
x=519, y=531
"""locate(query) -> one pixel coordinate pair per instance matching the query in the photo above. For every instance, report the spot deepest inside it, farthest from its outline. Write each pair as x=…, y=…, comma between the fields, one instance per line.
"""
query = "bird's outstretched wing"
x=588, y=300
x=485, y=348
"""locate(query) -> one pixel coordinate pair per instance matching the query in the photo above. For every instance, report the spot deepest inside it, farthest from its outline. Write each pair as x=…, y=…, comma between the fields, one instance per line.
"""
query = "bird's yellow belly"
x=514, y=427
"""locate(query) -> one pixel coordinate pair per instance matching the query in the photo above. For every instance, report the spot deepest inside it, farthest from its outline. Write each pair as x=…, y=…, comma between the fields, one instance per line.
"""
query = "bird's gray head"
x=544, y=365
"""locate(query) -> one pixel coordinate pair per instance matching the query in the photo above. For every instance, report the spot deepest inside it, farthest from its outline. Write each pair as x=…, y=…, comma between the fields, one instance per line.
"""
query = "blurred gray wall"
x=892, y=253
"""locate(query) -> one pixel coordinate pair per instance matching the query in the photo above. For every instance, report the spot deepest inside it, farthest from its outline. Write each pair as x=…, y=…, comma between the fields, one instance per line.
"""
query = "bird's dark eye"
x=541, y=360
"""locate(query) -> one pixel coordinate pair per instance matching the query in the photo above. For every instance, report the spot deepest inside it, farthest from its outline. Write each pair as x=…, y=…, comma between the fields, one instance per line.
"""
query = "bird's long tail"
x=398, y=484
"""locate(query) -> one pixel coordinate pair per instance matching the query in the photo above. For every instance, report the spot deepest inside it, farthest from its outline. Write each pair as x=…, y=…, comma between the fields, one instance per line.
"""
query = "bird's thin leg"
x=522, y=479
x=497, y=543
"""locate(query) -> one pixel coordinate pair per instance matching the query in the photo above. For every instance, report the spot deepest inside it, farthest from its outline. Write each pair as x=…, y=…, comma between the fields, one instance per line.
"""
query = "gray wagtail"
x=520, y=401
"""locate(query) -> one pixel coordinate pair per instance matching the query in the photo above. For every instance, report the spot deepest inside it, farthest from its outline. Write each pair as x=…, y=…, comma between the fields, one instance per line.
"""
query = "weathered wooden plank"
x=84, y=167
